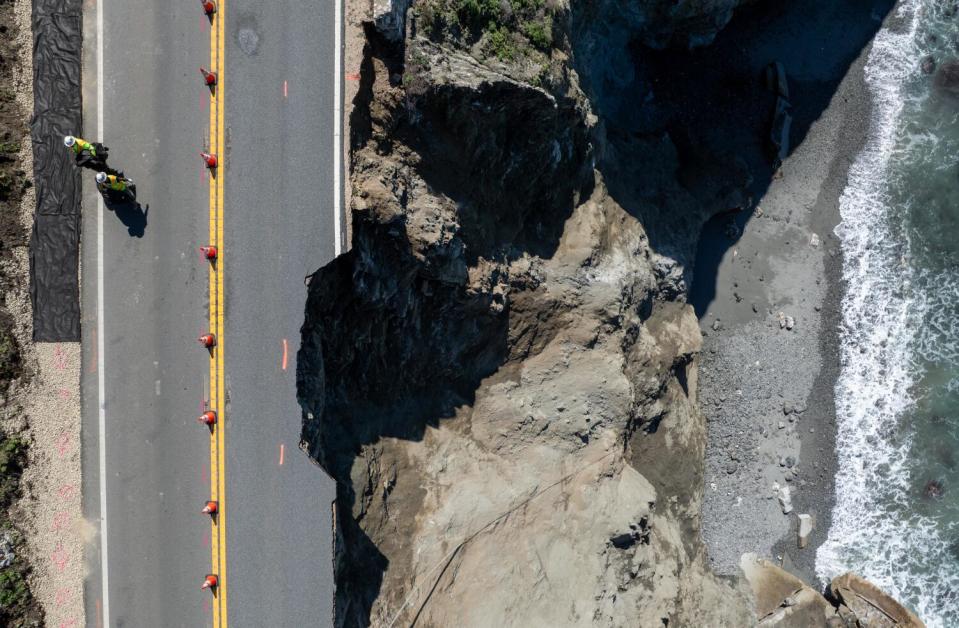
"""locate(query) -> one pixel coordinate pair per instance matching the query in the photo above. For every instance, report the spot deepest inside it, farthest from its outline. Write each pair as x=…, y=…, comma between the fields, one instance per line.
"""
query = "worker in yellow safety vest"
x=116, y=185
x=88, y=154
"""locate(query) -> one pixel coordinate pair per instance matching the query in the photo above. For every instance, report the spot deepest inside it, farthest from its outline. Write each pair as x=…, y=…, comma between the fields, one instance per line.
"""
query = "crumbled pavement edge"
x=354, y=45
x=43, y=407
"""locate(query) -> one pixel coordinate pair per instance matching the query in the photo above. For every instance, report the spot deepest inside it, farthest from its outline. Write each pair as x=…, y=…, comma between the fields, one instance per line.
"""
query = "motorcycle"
x=111, y=196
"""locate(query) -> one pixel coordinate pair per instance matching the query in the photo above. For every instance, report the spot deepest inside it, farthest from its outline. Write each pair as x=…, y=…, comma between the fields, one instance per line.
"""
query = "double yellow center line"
x=217, y=387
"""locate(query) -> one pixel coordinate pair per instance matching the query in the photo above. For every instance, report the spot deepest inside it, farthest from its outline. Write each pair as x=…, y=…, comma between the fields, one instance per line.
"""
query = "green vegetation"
x=9, y=350
x=13, y=454
x=540, y=34
x=18, y=609
x=9, y=147
x=478, y=14
x=507, y=29
x=500, y=43
x=14, y=592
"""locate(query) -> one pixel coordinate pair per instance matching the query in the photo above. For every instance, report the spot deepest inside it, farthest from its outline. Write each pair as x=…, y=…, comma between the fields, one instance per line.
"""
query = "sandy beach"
x=767, y=288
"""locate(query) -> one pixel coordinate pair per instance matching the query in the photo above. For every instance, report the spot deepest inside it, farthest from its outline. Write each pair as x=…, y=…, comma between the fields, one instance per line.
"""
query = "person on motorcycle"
x=116, y=185
x=87, y=154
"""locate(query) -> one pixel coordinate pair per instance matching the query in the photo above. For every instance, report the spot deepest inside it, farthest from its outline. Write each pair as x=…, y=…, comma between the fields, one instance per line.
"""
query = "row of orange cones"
x=211, y=581
x=208, y=418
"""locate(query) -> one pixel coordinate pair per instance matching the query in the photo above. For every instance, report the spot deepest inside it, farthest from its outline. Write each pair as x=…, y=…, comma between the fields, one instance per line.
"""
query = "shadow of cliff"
x=713, y=106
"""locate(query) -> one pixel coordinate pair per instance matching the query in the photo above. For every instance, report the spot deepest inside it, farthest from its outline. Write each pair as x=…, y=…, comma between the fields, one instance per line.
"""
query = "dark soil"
x=18, y=607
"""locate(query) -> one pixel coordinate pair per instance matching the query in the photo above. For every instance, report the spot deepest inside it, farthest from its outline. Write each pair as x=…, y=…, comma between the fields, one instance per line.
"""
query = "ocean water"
x=897, y=395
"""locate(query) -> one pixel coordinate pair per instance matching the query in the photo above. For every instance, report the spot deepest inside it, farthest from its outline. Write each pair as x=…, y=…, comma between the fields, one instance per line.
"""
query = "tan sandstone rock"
x=871, y=604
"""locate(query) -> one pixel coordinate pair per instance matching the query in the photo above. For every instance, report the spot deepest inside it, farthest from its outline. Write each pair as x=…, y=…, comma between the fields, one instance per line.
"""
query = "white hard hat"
x=101, y=177
x=68, y=141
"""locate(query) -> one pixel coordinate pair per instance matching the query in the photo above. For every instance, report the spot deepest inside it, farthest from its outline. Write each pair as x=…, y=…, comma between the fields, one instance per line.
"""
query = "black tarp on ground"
x=57, y=111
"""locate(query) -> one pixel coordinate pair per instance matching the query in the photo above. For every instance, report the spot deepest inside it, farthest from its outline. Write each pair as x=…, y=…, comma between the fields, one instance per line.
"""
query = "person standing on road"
x=87, y=154
x=116, y=186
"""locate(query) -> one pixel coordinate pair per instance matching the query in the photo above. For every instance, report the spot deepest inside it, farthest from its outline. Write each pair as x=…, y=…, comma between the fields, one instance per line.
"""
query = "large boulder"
x=871, y=605
x=781, y=600
x=389, y=17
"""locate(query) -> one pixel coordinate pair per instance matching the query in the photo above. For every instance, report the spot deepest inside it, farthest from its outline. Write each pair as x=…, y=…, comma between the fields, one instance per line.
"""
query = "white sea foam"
x=875, y=532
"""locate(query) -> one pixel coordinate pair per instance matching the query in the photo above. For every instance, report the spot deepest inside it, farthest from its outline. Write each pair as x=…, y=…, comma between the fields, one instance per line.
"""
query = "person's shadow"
x=133, y=217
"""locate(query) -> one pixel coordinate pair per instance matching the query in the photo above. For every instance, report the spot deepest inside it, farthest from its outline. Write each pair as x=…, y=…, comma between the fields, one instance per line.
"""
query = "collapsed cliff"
x=501, y=373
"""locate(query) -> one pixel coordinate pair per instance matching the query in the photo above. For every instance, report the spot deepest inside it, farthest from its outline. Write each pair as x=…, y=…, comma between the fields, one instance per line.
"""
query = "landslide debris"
x=501, y=373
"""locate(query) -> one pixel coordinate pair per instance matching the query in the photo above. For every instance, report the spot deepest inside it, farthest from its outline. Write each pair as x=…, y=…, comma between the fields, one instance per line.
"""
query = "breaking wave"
x=896, y=316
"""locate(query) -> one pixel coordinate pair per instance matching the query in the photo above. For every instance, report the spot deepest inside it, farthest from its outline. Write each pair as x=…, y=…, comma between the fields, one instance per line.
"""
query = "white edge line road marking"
x=101, y=356
x=337, y=124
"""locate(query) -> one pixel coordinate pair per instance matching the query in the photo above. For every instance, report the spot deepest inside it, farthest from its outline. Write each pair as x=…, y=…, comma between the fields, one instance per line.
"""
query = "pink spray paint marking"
x=63, y=596
x=66, y=491
x=65, y=394
x=59, y=359
x=60, y=558
x=61, y=520
x=68, y=623
x=63, y=444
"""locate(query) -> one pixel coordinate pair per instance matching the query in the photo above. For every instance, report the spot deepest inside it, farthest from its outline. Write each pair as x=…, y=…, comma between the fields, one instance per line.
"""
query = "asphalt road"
x=278, y=228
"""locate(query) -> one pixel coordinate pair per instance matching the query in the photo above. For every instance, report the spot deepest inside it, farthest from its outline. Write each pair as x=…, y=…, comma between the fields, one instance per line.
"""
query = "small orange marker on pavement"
x=209, y=7
x=210, y=508
x=207, y=340
x=209, y=159
x=208, y=418
x=210, y=582
x=209, y=77
x=209, y=252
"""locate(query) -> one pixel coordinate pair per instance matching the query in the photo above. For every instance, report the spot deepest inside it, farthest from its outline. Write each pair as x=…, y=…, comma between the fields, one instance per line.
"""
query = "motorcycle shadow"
x=130, y=213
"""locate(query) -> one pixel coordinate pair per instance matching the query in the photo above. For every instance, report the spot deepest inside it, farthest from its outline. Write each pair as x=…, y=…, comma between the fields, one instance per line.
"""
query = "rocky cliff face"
x=501, y=373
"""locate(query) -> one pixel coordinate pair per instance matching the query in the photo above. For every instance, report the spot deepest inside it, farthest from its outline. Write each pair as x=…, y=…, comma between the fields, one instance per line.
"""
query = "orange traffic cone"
x=210, y=582
x=208, y=418
x=209, y=252
x=210, y=159
x=207, y=340
x=209, y=7
x=210, y=508
x=208, y=77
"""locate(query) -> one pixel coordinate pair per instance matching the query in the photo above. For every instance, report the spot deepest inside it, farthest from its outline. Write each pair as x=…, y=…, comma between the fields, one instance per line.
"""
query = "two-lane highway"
x=147, y=295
